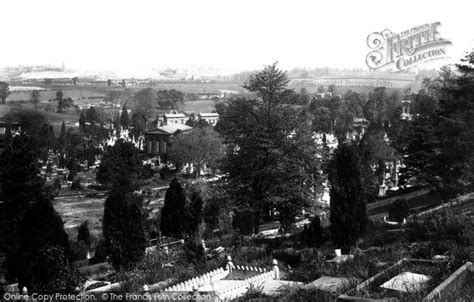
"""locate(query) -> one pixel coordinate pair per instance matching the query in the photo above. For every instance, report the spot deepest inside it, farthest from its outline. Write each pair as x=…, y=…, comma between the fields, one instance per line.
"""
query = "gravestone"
x=330, y=284
x=340, y=259
x=407, y=282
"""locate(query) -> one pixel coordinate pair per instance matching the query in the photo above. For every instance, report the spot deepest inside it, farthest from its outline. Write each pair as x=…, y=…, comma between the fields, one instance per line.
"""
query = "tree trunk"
x=198, y=170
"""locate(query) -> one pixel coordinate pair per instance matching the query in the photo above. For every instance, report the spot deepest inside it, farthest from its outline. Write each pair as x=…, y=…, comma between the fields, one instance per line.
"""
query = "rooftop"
x=175, y=115
x=211, y=114
x=170, y=129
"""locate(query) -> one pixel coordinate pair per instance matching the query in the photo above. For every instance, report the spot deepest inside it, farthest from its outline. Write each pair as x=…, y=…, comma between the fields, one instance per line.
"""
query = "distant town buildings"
x=174, y=117
x=210, y=118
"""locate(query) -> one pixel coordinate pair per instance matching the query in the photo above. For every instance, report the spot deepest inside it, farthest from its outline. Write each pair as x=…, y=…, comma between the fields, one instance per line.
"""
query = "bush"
x=146, y=172
x=426, y=250
x=100, y=252
x=83, y=233
x=194, y=253
x=76, y=184
x=303, y=294
x=378, y=234
x=314, y=235
x=348, y=213
x=442, y=225
x=398, y=210
x=244, y=222
x=289, y=256
x=251, y=256
x=78, y=250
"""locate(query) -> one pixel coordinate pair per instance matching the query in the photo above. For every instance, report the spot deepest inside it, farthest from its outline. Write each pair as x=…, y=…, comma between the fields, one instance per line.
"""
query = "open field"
x=77, y=208
x=46, y=95
x=98, y=92
x=200, y=87
x=199, y=106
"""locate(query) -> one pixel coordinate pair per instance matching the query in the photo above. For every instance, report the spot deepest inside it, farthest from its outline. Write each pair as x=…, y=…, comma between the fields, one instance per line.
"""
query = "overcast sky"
x=235, y=35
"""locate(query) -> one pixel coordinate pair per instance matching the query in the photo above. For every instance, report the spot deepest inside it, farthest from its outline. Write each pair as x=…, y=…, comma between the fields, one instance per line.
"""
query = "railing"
x=207, y=278
x=242, y=287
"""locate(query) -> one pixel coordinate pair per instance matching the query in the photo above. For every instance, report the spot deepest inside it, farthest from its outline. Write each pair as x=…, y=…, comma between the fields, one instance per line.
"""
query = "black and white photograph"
x=236, y=150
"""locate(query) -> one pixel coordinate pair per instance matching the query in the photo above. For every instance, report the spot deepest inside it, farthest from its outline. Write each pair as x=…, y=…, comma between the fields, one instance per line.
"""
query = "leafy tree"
x=52, y=272
x=271, y=156
x=109, y=82
x=170, y=99
x=139, y=122
x=348, y=214
x=381, y=108
x=62, y=136
x=375, y=151
x=34, y=125
x=145, y=99
x=41, y=233
x=195, y=219
x=116, y=122
x=438, y=142
x=48, y=139
x=355, y=103
x=217, y=208
x=120, y=165
x=59, y=96
x=35, y=94
x=8, y=135
x=331, y=88
x=303, y=97
x=244, y=221
x=198, y=146
x=41, y=227
x=65, y=105
x=343, y=119
x=201, y=124
x=114, y=96
x=399, y=210
x=320, y=89
x=93, y=116
x=124, y=118
x=20, y=186
x=30, y=122
x=74, y=151
x=74, y=81
x=313, y=235
x=123, y=227
x=82, y=120
x=173, y=213
x=322, y=120
x=192, y=121
x=4, y=91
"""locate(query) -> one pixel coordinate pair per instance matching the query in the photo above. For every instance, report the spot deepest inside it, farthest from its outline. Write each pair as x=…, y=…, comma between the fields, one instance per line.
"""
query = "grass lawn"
x=46, y=95
x=75, y=209
x=199, y=106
